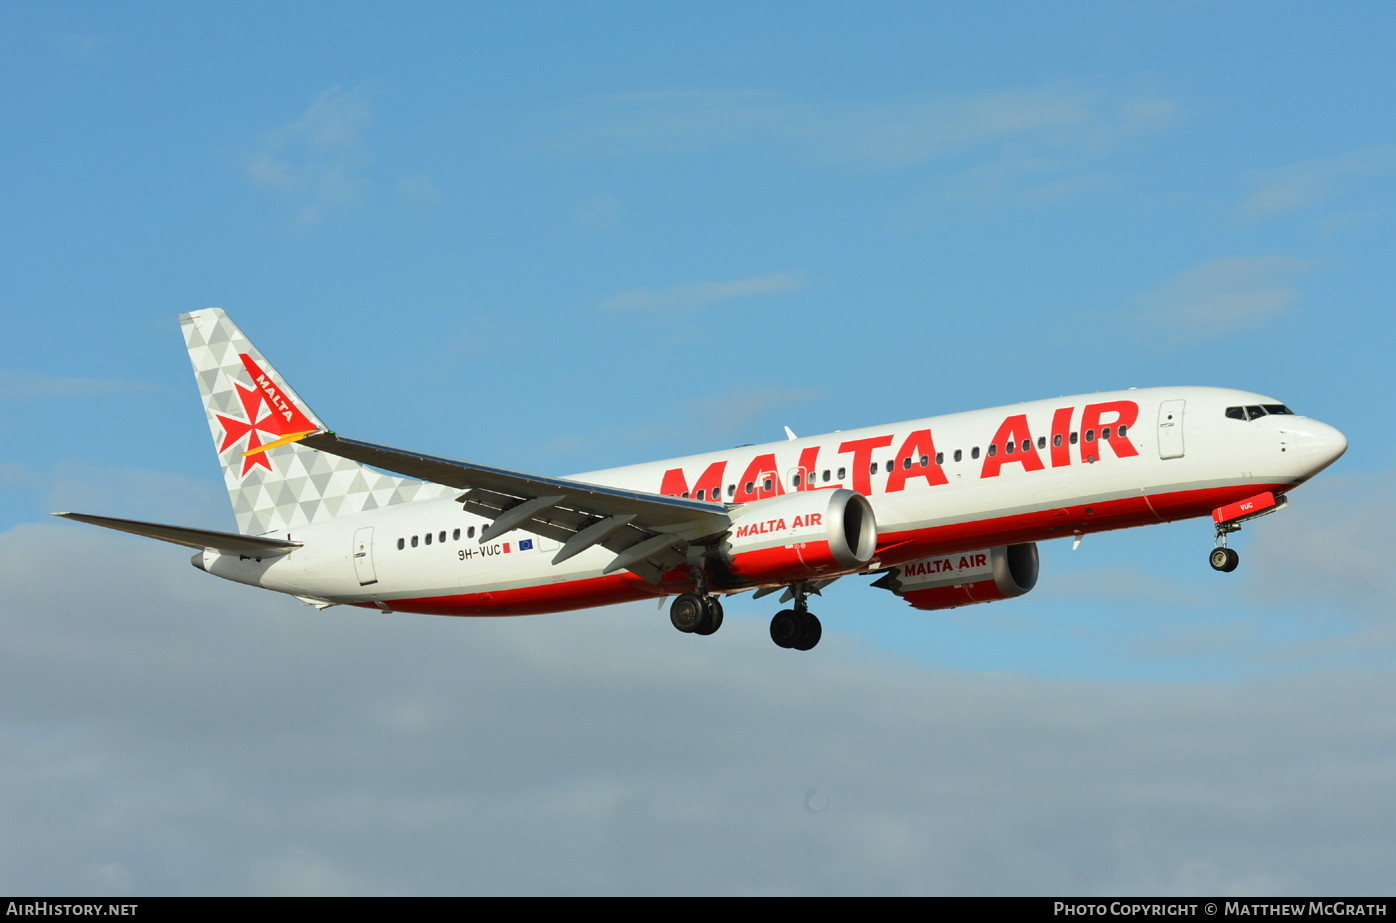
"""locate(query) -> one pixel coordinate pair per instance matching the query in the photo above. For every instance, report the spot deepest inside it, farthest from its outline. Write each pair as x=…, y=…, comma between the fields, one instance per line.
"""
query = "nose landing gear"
x=1228, y=519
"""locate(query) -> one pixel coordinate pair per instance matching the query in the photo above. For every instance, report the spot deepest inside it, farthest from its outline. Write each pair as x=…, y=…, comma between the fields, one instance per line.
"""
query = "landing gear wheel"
x=785, y=628
x=687, y=613
x=1224, y=560
x=810, y=633
x=795, y=629
x=712, y=616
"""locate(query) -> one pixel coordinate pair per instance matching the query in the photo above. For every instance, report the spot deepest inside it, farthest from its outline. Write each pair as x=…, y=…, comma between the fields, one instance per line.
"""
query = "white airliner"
x=946, y=510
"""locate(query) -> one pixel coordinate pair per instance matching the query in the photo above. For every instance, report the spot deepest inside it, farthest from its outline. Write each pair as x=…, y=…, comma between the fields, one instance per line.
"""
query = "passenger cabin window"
x=1042, y=442
x=974, y=452
x=414, y=541
x=959, y=454
x=428, y=538
x=401, y=544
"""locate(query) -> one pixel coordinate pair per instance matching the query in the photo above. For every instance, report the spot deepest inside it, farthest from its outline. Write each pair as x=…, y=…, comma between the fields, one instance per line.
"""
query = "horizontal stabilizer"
x=227, y=542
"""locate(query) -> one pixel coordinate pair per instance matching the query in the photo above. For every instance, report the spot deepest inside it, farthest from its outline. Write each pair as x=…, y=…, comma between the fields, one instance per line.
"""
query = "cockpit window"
x=1256, y=411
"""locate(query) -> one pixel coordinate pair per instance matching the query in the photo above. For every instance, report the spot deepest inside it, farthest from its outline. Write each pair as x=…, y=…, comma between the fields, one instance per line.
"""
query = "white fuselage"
x=938, y=485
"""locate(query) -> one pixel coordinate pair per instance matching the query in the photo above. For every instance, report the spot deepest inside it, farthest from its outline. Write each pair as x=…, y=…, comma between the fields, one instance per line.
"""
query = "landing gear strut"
x=797, y=628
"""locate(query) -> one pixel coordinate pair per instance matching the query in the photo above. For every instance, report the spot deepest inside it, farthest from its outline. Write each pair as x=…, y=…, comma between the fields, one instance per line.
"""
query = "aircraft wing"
x=229, y=542
x=649, y=533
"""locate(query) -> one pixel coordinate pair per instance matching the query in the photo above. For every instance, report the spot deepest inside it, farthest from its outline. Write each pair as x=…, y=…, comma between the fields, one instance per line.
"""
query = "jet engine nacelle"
x=951, y=580
x=801, y=536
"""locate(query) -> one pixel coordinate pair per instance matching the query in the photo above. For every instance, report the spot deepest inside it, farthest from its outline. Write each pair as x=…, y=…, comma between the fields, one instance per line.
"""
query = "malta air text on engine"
x=916, y=457
x=930, y=566
x=768, y=526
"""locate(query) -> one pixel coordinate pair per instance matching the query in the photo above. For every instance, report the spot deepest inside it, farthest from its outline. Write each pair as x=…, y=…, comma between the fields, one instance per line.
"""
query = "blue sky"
x=564, y=236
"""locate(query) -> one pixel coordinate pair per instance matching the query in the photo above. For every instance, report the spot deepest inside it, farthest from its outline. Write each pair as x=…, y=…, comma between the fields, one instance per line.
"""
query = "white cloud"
x=25, y=386
x=319, y=159
x=165, y=733
x=1312, y=182
x=1224, y=294
x=1068, y=123
x=697, y=294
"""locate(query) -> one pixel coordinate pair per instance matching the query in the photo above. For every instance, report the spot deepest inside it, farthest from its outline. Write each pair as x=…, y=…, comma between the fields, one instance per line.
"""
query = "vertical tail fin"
x=249, y=406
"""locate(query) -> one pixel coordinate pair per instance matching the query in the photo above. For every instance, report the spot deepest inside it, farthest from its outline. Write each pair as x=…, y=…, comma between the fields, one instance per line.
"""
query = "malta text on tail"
x=250, y=407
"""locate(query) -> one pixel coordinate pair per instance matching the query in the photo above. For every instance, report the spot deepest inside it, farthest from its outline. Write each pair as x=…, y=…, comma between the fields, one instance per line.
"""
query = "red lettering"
x=762, y=467
x=918, y=445
x=862, y=450
x=1126, y=412
x=675, y=484
x=1013, y=430
x=1061, y=437
x=809, y=457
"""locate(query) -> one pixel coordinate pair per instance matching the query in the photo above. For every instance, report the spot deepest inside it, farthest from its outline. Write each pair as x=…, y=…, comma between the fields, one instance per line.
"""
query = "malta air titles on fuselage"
x=887, y=462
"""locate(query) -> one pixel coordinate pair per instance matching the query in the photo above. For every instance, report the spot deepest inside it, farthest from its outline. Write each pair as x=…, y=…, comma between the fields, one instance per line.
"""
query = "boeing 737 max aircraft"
x=946, y=510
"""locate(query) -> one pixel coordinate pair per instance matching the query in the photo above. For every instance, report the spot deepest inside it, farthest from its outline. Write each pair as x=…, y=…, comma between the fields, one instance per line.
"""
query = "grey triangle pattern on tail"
x=291, y=485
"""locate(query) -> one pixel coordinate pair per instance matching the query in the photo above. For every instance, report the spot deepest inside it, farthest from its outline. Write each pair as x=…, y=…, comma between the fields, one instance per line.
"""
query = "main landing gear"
x=798, y=628
x=695, y=614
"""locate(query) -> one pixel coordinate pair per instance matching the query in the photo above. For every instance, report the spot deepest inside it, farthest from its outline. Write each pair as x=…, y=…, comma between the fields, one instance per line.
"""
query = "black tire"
x=1225, y=560
x=810, y=632
x=687, y=612
x=712, y=616
x=785, y=628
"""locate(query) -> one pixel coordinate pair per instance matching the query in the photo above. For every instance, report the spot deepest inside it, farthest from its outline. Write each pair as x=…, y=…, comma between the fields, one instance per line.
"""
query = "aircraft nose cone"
x=1320, y=445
